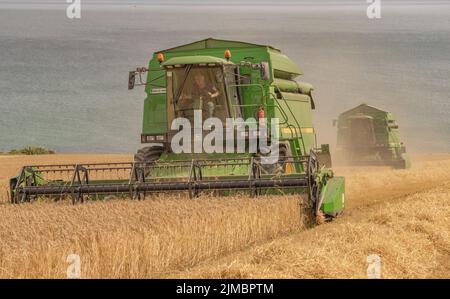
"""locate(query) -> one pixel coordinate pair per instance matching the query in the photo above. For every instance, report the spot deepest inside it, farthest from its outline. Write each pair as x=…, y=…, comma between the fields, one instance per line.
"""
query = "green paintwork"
x=283, y=66
x=293, y=86
x=334, y=196
x=381, y=143
x=34, y=178
x=240, y=170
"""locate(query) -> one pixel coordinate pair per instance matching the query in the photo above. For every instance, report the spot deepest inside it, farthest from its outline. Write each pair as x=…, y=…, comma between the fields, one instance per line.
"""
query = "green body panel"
x=299, y=106
x=283, y=66
x=203, y=156
x=155, y=114
x=238, y=171
x=334, y=196
x=293, y=86
x=380, y=142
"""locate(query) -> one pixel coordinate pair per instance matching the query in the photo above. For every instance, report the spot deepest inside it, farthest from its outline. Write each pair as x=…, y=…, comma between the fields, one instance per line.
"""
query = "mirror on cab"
x=131, y=80
x=265, y=71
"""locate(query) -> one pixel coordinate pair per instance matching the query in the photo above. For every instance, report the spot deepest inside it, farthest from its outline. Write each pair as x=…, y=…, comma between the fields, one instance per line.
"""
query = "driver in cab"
x=202, y=90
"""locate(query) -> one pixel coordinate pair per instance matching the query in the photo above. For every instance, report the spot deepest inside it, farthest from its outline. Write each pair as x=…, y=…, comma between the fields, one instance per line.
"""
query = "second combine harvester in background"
x=225, y=80
x=370, y=136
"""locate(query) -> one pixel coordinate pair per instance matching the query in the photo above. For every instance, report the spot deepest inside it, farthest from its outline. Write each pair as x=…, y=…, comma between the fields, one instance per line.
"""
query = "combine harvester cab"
x=233, y=83
x=370, y=136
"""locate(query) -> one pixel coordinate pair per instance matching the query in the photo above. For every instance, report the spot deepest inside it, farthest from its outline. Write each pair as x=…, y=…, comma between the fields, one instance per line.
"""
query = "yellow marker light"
x=227, y=54
x=160, y=57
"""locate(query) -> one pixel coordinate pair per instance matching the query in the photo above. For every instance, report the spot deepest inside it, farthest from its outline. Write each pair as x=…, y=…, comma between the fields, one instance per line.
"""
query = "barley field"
x=411, y=236
x=401, y=215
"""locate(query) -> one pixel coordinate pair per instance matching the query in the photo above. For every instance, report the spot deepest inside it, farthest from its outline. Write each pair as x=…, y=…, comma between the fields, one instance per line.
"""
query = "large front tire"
x=279, y=167
x=147, y=156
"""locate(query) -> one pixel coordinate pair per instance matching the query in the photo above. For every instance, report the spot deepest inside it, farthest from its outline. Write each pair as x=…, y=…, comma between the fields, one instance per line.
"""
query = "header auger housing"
x=221, y=80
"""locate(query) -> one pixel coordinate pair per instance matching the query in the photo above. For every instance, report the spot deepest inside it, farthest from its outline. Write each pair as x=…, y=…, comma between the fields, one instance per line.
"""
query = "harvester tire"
x=279, y=167
x=405, y=161
x=401, y=164
x=148, y=155
x=12, y=186
x=320, y=218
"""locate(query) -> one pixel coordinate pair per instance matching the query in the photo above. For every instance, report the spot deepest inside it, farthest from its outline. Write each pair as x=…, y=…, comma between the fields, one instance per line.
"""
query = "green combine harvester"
x=370, y=136
x=224, y=80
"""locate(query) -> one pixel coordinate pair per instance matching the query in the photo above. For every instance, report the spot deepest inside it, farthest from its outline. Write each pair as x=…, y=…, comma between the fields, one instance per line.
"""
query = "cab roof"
x=366, y=110
x=282, y=65
x=210, y=43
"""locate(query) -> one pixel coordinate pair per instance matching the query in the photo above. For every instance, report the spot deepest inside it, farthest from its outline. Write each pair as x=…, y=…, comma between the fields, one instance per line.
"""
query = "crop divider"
x=77, y=182
x=195, y=175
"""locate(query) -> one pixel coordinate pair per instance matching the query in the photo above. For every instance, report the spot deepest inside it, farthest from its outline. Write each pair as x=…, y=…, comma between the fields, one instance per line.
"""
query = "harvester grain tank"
x=370, y=136
x=222, y=80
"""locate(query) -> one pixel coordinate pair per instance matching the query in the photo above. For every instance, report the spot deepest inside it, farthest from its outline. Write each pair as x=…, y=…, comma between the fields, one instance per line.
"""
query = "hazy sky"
x=399, y=63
